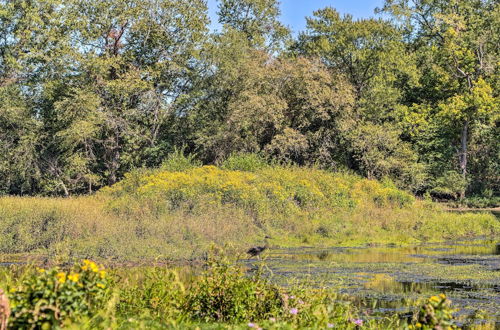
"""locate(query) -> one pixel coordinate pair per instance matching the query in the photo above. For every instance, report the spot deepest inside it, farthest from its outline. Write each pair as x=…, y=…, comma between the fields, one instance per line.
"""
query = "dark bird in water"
x=257, y=250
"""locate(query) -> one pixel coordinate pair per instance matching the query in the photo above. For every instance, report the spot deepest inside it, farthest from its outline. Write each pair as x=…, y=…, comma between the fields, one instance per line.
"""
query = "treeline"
x=90, y=90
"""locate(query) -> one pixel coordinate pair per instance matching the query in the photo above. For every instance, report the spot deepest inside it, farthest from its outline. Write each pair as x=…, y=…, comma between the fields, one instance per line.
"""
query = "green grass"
x=178, y=211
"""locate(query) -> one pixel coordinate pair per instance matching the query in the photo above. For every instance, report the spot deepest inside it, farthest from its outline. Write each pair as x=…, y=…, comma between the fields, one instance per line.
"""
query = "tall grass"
x=177, y=211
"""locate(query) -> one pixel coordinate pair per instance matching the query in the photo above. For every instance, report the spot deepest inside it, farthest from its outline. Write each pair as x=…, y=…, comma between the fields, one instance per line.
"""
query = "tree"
x=101, y=80
x=370, y=52
x=288, y=108
x=258, y=20
x=460, y=39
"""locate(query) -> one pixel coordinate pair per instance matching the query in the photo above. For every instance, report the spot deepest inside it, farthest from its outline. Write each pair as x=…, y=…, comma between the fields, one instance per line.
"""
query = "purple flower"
x=272, y=319
x=329, y=325
x=358, y=322
x=294, y=311
x=292, y=297
x=251, y=325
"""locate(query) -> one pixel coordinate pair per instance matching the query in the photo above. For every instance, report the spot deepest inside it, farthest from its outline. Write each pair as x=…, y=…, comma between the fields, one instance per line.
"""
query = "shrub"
x=449, y=186
x=225, y=294
x=177, y=161
x=436, y=313
x=244, y=162
x=53, y=297
x=161, y=293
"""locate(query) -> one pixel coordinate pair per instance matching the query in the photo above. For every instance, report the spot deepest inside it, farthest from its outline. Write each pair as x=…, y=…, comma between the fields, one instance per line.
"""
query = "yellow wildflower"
x=88, y=264
x=443, y=296
x=102, y=274
x=61, y=277
x=418, y=325
x=40, y=270
x=73, y=277
x=100, y=285
x=434, y=298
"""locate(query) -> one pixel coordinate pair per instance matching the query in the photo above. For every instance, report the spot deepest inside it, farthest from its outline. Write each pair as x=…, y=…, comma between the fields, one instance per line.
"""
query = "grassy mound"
x=177, y=213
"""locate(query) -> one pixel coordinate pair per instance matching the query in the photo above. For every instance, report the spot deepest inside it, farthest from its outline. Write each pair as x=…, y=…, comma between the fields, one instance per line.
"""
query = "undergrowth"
x=222, y=295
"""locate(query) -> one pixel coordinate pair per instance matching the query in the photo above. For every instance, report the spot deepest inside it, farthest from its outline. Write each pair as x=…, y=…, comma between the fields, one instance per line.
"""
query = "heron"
x=257, y=250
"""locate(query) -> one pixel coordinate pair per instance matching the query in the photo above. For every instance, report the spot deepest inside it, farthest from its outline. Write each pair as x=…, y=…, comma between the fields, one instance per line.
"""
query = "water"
x=385, y=280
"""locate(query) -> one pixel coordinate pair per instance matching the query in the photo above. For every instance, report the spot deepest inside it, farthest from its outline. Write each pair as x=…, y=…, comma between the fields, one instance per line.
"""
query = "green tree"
x=258, y=20
x=370, y=52
x=459, y=41
x=288, y=108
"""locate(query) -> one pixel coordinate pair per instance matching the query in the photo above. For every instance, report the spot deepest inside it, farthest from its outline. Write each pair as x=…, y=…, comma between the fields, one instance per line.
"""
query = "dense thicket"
x=92, y=89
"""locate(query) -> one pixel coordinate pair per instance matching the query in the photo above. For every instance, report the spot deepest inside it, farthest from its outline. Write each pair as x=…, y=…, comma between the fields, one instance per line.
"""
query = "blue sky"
x=295, y=11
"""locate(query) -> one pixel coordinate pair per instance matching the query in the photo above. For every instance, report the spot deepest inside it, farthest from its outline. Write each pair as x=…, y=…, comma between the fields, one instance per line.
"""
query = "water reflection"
x=393, y=278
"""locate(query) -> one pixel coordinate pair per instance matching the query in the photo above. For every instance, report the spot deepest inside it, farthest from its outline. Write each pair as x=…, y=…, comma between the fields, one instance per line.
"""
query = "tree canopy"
x=90, y=90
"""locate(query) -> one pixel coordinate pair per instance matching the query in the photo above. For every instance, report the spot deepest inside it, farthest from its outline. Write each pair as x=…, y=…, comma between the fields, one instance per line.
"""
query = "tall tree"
x=258, y=20
x=461, y=44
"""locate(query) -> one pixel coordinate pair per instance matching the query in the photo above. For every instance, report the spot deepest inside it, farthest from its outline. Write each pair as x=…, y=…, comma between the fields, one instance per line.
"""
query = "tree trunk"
x=113, y=169
x=463, y=154
x=66, y=191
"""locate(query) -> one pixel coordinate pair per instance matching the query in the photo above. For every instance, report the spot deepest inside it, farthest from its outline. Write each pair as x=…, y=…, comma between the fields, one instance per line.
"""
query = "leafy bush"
x=436, y=313
x=54, y=297
x=449, y=186
x=225, y=294
x=244, y=162
x=178, y=161
x=161, y=293
x=482, y=202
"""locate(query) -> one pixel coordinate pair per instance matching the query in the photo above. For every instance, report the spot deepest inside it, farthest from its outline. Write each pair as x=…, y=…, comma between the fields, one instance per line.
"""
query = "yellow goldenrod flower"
x=89, y=264
x=61, y=277
x=94, y=267
x=74, y=277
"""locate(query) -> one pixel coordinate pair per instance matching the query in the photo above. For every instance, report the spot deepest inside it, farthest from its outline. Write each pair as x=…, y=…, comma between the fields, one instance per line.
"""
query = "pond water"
x=383, y=280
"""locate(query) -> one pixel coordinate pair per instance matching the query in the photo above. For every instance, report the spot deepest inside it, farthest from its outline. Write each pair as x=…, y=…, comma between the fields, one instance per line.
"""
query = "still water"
x=382, y=280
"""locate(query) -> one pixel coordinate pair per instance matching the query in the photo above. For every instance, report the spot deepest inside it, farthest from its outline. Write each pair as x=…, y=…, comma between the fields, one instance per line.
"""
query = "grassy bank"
x=178, y=211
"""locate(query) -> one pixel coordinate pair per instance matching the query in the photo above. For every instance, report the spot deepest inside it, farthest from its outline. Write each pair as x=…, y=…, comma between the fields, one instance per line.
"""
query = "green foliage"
x=258, y=20
x=244, y=162
x=436, y=313
x=225, y=294
x=90, y=90
x=52, y=298
x=449, y=186
x=160, y=292
x=481, y=202
x=178, y=162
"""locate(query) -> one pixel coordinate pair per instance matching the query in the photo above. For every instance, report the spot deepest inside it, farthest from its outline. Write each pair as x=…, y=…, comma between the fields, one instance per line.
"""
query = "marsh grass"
x=173, y=214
